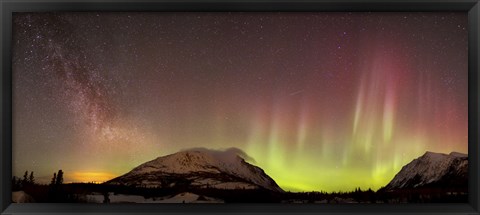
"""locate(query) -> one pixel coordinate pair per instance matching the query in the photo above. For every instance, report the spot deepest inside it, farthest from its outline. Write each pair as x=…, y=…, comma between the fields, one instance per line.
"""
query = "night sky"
x=320, y=101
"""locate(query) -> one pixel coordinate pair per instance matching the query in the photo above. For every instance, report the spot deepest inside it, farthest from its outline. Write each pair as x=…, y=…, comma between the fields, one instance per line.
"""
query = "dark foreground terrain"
x=102, y=193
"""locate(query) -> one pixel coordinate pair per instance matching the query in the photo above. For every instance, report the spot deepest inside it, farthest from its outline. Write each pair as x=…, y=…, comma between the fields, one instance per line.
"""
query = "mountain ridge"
x=200, y=168
x=432, y=170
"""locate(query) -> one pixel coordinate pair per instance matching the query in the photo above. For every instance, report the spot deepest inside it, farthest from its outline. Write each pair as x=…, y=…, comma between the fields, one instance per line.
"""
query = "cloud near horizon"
x=223, y=153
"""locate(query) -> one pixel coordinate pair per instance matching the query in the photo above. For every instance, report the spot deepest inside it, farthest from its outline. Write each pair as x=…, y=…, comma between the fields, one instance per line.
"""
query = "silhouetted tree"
x=31, y=179
x=16, y=183
x=106, y=198
x=54, y=179
x=56, y=191
x=59, y=177
x=25, y=179
x=371, y=195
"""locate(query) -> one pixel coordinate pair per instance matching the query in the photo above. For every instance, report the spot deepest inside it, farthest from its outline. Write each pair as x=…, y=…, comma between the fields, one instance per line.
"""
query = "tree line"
x=29, y=180
x=19, y=183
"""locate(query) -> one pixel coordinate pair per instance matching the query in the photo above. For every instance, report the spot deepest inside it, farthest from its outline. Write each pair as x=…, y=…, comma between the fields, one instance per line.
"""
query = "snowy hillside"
x=199, y=168
x=21, y=197
x=433, y=170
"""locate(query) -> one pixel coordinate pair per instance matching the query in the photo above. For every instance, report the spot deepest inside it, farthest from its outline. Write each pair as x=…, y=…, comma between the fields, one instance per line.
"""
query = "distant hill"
x=432, y=170
x=198, y=168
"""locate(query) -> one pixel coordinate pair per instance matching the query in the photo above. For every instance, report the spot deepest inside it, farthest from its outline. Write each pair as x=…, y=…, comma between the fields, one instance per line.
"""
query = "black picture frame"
x=7, y=7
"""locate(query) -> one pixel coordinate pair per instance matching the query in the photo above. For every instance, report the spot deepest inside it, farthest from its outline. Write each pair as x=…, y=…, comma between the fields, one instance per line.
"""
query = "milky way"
x=310, y=97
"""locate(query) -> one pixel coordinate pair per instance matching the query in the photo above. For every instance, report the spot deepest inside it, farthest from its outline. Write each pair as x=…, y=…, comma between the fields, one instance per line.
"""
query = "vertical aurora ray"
x=302, y=126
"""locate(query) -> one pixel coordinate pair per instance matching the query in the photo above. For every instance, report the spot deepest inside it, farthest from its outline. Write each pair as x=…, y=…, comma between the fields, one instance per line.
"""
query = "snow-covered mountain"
x=433, y=170
x=201, y=168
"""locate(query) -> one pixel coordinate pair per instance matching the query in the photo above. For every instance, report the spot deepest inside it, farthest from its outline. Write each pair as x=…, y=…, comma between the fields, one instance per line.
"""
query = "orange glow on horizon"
x=96, y=177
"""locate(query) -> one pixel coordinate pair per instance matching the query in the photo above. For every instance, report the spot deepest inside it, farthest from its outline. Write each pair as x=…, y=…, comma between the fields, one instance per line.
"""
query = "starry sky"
x=320, y=101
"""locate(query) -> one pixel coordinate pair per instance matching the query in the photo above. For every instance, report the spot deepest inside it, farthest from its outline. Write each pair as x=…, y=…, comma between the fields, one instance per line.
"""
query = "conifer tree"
x=25, y=179
x=31, y=179
x=54, y=179
x=59, y=177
